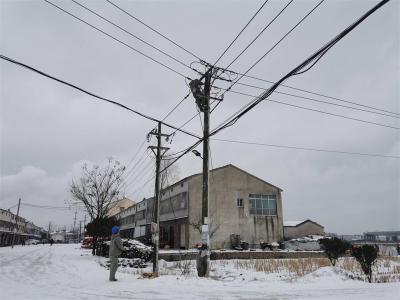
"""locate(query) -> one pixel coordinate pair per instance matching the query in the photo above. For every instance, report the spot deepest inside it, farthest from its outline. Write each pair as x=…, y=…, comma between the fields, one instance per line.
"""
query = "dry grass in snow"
x=386, y=269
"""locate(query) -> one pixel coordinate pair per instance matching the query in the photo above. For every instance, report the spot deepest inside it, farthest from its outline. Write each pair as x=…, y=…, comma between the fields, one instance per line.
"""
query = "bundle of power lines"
x=140, y=170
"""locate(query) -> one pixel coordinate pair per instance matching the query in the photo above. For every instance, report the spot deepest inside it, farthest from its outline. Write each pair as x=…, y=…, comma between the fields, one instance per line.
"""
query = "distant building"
x=298, y=229
x=382, y=236
x=119, y=206
x=239, y=203
x=24, y=229
x=58, y=237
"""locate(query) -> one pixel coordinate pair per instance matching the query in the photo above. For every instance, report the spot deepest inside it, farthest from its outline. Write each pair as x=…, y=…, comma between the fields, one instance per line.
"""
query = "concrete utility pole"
x=80, y=231
x=84, y=224
x=203, y=261
x=73, y=229
x=48, y=232
x=156, y=226
x=16, y=223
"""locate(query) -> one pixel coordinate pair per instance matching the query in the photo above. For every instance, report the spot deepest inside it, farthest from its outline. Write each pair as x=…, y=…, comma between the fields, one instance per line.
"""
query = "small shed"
x=298, y=229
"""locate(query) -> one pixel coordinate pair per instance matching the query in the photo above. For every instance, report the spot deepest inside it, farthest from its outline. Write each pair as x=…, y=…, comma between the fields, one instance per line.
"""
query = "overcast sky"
x=48, y=130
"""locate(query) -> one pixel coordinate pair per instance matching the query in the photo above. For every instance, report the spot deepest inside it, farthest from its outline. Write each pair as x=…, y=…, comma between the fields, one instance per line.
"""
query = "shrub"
x=366, y=256
x=334, y=248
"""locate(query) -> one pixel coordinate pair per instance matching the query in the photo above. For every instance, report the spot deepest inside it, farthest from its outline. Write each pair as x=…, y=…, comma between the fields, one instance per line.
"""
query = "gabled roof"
x=292, y=223
x=298, y=223
x=224, y=167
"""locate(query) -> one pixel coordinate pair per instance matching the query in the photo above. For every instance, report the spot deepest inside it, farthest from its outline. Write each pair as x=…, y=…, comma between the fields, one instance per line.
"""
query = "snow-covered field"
x=68, y=272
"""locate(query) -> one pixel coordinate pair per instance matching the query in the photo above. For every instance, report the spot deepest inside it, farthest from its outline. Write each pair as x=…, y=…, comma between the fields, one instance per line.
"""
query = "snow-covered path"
x=67, y=272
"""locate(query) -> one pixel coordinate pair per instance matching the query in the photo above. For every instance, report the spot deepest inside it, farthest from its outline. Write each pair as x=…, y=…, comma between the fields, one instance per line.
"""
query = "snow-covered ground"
x=68, y=272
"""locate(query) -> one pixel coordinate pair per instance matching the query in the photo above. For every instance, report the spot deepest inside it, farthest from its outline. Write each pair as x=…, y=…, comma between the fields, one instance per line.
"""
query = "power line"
x=145, y=184
x=116, y=39
x=261, y=32
x=241, y=31
x=277, y=43
x=306, y=65
x=93, y=95
x=139, y=175
x=315, y=110
x=310, y=92
x=320, y=101
x=154, y=30
x=176, y=106
x=332, y=114
x=305, y=148
x=135, y=155
x=144, y=167
x=273, y=47
x=314, y=57
x=133, y=35
x=306, y=108
x=47, y=206
x=138, y=164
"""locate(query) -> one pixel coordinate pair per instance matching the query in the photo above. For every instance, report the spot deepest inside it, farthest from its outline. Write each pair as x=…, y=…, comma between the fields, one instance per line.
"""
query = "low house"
x=58, y=237
x=239, y=203
x=119, y=206
x=382, y=236
x=298, y=229
x=17, y=228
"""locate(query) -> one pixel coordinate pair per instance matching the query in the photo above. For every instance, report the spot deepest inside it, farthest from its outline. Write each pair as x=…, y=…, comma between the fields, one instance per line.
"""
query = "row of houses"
x=24, y=229
x=239, y=204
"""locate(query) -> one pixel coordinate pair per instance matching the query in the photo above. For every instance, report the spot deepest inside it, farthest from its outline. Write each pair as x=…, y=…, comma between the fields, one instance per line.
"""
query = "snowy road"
x=67, y=272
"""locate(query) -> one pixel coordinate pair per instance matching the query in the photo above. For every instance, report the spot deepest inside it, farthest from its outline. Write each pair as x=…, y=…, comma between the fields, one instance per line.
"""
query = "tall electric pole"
x=80, y=231
x=48, y=232
x=84, y=224
x=205, y=239
x=156, y=226
x=202, y=96
x=73, y=229
x=16, y=223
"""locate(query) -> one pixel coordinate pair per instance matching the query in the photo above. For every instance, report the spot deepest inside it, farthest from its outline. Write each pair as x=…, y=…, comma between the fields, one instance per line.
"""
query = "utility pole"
x=16, y=223
x=80, y=230
x=204, y=254
x=155, y=228
x=73, y=229
x=84, y=224
x=48, y=232
x=202, y=97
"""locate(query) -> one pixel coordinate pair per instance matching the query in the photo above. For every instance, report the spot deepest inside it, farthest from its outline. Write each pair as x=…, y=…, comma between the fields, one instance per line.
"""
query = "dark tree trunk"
x=94, y=245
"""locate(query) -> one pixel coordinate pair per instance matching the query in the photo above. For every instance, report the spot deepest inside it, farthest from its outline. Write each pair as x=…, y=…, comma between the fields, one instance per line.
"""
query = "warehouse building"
x=239, y=203
x=298, y=229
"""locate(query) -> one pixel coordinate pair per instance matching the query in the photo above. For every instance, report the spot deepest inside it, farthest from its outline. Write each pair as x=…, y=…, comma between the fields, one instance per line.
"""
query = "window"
x=239, y=202
x=262, y=205
x=174, y=203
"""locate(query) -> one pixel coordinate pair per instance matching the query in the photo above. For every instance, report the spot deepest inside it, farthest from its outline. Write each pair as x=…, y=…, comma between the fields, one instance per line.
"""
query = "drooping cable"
x=241, y=31
x=260, y=33
x=95, y=96
x=116, y=39
x=131, y=34
x=297, y=70
x=154, y=30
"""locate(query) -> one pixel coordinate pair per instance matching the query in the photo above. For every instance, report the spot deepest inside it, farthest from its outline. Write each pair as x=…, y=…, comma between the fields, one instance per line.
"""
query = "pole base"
x=203, y=263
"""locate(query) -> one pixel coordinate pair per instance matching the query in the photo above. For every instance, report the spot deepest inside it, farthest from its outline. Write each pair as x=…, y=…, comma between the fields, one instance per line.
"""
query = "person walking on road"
x=116, y=249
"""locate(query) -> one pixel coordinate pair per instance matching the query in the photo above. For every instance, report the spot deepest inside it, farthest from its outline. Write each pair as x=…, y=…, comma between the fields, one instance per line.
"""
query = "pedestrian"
x=51, y=242
x=116, y=249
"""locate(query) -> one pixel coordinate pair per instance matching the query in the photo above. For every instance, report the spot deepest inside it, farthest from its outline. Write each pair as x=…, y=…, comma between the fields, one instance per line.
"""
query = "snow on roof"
x=292, y=223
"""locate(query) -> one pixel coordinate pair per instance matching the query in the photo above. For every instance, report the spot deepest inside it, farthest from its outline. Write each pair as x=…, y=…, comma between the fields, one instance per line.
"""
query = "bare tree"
x=170, y=175
x=98, y=188
x=213, y=226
